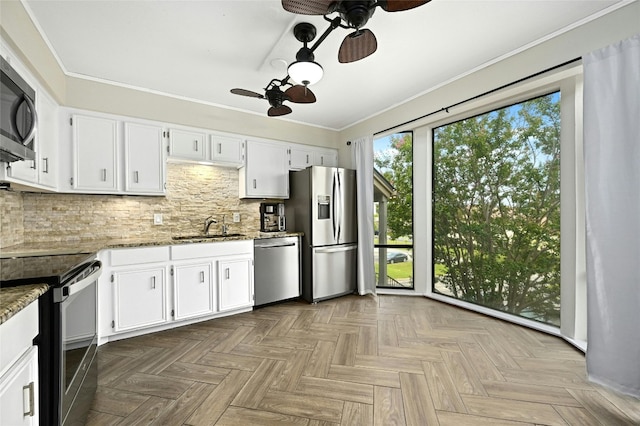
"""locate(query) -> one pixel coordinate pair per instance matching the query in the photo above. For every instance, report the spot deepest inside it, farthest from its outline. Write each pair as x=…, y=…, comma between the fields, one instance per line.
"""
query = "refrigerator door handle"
x=336, y=249
x=339, y=206
x=334, y=213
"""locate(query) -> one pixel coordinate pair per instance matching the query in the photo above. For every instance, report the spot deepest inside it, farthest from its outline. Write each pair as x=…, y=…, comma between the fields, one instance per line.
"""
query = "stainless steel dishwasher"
x=277, y=269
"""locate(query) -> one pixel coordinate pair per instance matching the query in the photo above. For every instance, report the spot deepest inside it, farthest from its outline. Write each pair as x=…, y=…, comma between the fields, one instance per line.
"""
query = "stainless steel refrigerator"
x=322, y=204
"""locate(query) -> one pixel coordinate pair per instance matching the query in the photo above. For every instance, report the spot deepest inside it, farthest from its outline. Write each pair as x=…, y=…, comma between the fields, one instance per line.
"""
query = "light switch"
x=236, y=217
x=157, y=218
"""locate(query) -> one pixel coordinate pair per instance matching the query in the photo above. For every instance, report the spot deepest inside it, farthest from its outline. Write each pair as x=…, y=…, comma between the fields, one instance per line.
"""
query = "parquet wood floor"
x=386, y=360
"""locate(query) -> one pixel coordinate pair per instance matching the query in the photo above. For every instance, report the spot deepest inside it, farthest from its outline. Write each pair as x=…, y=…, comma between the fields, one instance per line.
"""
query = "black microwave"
x=18, y=116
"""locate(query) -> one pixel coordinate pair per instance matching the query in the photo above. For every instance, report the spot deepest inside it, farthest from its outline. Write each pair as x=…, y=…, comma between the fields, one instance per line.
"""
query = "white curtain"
x=612, y=182
x=363, y=163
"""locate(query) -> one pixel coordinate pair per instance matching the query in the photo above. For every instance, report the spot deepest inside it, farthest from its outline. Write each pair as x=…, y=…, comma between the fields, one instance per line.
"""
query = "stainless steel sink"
x=206, y=237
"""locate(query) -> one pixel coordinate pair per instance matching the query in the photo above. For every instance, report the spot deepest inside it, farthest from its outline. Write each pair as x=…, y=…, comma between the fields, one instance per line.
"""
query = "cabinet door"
x=325, y=158
x=266, y=173
x=19, y=391
x=140, y=298
x=226, y=149
x=235, y=283
x=95, y=153
x=193, y=290
x=42, y=170
x=47, y=140
x=187, y=145
x=300, y=158
x=144, y=159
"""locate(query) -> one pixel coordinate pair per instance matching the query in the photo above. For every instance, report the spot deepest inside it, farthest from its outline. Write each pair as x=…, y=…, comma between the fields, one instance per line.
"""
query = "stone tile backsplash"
x=11, y=210
x=194, y=192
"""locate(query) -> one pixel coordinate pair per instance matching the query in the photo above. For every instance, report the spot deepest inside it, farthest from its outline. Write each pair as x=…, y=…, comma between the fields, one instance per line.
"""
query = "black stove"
x=67, y=338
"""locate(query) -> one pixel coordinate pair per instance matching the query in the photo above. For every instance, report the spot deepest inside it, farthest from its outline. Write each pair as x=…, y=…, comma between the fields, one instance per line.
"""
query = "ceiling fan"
x=355, y=13
x=276, y=97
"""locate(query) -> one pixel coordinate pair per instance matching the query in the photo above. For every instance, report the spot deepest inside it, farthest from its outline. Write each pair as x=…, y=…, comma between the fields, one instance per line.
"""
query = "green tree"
x=396, y=165
x=497, y=208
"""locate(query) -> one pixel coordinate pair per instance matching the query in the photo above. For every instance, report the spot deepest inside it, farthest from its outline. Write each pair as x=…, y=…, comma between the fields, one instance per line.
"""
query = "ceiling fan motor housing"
x=304, y=32
x=276, y=97
x=356, y=13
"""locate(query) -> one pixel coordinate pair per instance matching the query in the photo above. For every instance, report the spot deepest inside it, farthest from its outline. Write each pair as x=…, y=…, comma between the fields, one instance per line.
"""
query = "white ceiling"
x=202, y=49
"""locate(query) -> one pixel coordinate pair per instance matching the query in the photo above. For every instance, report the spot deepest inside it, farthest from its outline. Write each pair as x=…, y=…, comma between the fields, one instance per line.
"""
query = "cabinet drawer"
x=134, y=256
x=223, y=248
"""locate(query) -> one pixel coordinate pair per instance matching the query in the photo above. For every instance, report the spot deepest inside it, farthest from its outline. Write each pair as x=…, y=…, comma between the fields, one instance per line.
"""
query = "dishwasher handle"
x=276, y=245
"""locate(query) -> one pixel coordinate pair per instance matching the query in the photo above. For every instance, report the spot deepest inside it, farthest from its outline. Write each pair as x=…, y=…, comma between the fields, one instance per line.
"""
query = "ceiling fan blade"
x=307, y=7
x=276, y=111
x=300, y=94
x=399, y=5
x=244, y=92
x=357, y=45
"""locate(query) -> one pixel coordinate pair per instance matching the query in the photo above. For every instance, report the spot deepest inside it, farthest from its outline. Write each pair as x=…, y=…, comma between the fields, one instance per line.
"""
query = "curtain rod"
x=446, y=109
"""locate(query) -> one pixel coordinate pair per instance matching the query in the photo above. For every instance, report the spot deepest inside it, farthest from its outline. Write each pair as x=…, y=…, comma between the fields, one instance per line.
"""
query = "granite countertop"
x=14, y=299
x=94, y=246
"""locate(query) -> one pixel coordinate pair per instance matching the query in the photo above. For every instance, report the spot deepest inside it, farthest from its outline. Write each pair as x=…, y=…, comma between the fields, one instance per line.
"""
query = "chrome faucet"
x=207, y=223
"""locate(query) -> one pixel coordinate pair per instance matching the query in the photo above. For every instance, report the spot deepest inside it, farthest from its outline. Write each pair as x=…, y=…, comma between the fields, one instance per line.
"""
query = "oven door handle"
x=61, y=294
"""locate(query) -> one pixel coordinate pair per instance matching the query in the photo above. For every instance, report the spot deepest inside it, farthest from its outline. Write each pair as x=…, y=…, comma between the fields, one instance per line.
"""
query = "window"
x=496, y=209
x=393, y=210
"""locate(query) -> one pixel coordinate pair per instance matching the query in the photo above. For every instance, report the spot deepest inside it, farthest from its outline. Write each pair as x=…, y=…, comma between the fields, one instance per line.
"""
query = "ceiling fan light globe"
x=305, y=72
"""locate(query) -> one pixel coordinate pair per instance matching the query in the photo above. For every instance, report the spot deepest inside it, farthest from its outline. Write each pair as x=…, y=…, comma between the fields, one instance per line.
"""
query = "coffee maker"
x=272, y=217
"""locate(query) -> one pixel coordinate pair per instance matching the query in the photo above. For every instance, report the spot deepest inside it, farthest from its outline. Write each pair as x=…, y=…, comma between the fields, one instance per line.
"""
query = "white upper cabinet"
x=226, y=149
x=266, y=170
x=325, y=157
x=95, y=154
x=300, y=157
x=187, y=145
x=43, y=171
x=145, y=165
x=47, y=140
x=303, y=156
x=112, y=156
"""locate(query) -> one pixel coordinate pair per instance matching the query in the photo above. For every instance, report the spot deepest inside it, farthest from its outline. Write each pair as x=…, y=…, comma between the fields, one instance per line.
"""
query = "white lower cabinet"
x=193, y=290
x=140, y=298
x=235, y=279
x=149, y=289
x=19, y=368
x=19, y=391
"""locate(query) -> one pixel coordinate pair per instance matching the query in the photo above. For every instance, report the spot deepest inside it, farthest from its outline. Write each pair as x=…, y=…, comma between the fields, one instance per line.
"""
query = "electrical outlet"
x=236, y=217
x=157, y=218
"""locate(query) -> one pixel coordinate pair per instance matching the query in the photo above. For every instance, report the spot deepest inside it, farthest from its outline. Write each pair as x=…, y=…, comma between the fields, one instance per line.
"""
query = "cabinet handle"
x=135, y=177
x=104, y=175
x=226, y=273
x=195, y=144
x=307, y=158
x=33, y=164
x=219, y=148
x=254, y=184
x=45, y=165
x=322, y=160
x=153, y=282
x=28, y=405
x=201, y=276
